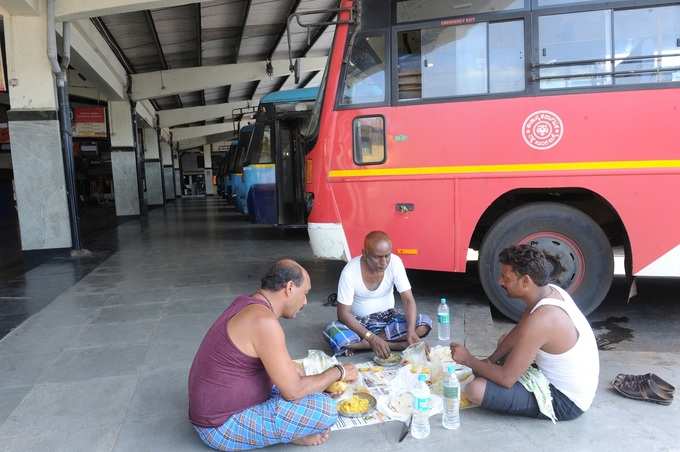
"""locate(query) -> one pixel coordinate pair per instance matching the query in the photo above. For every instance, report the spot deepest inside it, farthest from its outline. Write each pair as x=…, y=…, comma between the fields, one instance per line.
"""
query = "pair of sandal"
x=648, y=387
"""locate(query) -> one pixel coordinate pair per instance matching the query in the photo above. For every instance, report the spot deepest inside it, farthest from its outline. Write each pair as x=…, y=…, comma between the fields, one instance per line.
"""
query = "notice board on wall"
x=89, y=122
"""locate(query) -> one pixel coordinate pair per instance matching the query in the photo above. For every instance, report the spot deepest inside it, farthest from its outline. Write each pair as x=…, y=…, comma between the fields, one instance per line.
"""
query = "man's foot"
x=313, y=440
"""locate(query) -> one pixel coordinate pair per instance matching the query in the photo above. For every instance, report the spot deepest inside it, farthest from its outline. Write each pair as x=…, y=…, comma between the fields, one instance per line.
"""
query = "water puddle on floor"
x=614, y=333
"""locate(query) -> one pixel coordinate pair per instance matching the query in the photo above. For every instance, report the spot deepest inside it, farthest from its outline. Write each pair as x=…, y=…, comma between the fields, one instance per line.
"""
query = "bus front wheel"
x=586, y=261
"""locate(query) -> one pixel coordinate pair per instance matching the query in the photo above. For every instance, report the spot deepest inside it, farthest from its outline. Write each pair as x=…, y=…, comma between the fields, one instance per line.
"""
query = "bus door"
x=290, y=173
x=380, y=180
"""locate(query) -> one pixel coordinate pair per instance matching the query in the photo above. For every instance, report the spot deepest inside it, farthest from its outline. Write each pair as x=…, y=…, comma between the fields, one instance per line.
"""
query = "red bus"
x=460, y=128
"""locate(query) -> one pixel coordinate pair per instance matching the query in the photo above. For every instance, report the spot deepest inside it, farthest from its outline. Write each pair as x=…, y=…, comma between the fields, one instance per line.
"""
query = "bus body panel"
x=623, y=145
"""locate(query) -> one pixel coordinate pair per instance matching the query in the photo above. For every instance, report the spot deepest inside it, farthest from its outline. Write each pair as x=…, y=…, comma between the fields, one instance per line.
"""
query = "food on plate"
x=354, y=405
x=337, y=387
x=392, y=360
x=374, y=369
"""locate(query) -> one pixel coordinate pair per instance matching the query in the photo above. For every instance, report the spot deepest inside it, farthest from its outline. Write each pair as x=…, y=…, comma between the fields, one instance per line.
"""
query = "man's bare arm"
x=410, y=310
x=506, y=345
x=270, y=345
x=531, y=336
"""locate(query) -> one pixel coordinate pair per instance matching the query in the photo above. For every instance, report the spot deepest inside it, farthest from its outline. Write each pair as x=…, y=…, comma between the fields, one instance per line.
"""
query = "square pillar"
x=35, y=135
x=168, y=173
x=207, y=168
x=153, y=170
x=124, y=159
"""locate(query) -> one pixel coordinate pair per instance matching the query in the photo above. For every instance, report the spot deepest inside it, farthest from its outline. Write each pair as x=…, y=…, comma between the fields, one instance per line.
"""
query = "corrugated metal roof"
x=219, y=32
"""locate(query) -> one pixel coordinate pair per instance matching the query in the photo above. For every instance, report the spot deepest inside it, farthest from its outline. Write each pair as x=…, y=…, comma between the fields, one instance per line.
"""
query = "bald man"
x=245, y=391
x=367, y=318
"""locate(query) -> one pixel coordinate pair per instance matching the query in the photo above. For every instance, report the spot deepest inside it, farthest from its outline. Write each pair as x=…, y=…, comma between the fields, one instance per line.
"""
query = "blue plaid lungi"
x=272, y=422
x=391, y=322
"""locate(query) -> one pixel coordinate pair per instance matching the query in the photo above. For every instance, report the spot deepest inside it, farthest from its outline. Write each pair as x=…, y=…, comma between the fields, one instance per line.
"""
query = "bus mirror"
x=296, y=71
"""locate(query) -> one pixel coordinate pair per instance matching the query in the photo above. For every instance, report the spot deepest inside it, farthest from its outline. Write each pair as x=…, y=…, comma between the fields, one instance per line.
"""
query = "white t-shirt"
x=353, y=292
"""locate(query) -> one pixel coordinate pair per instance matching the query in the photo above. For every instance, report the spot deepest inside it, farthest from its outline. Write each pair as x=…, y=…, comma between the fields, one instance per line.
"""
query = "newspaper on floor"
x=375, y=379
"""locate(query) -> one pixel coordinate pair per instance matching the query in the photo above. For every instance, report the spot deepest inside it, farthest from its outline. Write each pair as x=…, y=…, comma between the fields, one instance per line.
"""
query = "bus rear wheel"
x=586, y=262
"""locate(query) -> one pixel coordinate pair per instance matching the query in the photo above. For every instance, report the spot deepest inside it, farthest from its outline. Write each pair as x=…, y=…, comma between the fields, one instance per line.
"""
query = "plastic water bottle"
x=443, y=324
x=451, y=415
x=422, y=401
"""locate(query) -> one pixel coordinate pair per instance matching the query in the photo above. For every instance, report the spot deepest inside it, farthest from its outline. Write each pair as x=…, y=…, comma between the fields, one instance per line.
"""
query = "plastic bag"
x=416, y=354
x=317, y=362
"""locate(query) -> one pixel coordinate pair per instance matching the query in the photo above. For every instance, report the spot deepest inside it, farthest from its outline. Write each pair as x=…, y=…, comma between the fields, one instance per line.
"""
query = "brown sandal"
x=643, y=387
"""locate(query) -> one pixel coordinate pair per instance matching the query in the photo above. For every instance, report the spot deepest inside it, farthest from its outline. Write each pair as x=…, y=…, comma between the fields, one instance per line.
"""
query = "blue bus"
x=236, y=159
x=273, y=174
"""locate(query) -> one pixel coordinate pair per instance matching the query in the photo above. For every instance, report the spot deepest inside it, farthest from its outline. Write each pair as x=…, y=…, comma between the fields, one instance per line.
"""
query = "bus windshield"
x=312, y=128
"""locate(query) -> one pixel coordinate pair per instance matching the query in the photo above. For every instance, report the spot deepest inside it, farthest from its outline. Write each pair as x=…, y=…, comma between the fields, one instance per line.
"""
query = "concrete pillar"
x=178, y=174
x=37, y=157
x=124, y=159
x=207, y=168
x=168, y=173
x=152, y=168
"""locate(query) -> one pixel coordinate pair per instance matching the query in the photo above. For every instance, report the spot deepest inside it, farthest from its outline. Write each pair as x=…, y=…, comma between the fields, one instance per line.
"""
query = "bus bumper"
x=328, y=241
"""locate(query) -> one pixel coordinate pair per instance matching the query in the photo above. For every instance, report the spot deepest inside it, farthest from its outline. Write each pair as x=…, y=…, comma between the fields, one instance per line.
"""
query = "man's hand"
x=460, y=354
x=379, y=346
x=351, y=373
x=412, y=337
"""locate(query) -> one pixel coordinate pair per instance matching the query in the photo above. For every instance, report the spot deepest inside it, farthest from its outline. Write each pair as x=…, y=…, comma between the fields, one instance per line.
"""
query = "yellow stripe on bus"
x=511, y=168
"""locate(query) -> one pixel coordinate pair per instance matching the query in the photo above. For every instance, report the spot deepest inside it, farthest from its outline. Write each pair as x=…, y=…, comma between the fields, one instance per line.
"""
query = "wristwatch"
x=368, y=335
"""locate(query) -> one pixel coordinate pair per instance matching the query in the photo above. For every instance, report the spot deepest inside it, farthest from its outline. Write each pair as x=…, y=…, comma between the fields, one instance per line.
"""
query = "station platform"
x=103, y=367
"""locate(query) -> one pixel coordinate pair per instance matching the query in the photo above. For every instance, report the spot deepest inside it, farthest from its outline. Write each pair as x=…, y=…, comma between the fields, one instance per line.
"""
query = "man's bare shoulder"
x=542, y=319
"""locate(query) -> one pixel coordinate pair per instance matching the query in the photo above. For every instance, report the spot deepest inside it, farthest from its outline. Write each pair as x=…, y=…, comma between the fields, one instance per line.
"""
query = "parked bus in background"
x=273, y=180
x=460, y=128
x=236, y=162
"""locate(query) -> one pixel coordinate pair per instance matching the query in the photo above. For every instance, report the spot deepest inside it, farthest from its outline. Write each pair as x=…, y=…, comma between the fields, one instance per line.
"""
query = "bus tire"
x=584, y=251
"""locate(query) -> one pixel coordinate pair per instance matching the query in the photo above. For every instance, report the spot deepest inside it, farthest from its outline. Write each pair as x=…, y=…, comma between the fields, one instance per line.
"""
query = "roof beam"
x=199, y=42
x=146, y=112
x=21, y=7
x=209, y=139
x=96, y=61
x=178, y=116
x=68, y=10
x=175, y=81
x=187, y=133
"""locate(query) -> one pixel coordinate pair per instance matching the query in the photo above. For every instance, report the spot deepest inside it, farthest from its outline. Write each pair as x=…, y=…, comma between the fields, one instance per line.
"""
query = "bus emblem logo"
x=542, y=130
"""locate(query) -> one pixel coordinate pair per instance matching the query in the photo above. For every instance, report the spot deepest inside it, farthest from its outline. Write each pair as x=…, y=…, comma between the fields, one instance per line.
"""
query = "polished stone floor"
x=103, y=366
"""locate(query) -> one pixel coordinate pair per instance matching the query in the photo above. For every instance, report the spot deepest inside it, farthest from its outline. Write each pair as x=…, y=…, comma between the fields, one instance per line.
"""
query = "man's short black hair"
x=280, y=273
x=527, y=260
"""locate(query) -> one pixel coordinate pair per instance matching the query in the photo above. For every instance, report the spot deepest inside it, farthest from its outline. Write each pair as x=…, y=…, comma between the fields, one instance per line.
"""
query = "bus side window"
x=462, y=60
x=369, y=140
x=365, y=73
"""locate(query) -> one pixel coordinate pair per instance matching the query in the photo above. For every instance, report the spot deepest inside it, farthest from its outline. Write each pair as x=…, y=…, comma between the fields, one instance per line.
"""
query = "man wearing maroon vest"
x=245, y=391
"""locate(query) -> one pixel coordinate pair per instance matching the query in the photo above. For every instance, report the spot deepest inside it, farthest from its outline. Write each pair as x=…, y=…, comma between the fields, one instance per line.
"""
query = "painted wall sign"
x=89, y=122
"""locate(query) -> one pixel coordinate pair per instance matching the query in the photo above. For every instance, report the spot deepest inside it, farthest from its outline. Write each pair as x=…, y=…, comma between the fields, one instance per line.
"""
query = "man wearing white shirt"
x=367, y=318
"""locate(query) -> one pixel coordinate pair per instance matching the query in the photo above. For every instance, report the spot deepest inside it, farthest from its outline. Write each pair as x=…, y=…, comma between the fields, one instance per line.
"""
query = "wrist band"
x=342, y=371
x=368, y=335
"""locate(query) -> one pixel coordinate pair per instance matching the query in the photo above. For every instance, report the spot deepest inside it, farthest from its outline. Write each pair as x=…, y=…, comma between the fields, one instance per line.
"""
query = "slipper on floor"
x=655, y=382
x=640, y=389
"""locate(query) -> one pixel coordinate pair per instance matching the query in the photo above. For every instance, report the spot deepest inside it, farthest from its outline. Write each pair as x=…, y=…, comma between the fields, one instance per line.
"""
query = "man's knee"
x=423, y=330
x=327, y=410
x=474, y=391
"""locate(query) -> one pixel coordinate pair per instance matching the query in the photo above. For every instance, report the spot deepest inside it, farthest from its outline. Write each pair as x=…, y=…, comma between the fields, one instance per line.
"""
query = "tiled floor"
x=104, y=366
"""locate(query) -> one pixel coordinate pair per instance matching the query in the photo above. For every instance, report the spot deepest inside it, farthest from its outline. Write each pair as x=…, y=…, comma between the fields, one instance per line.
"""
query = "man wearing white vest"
x=552, y=332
